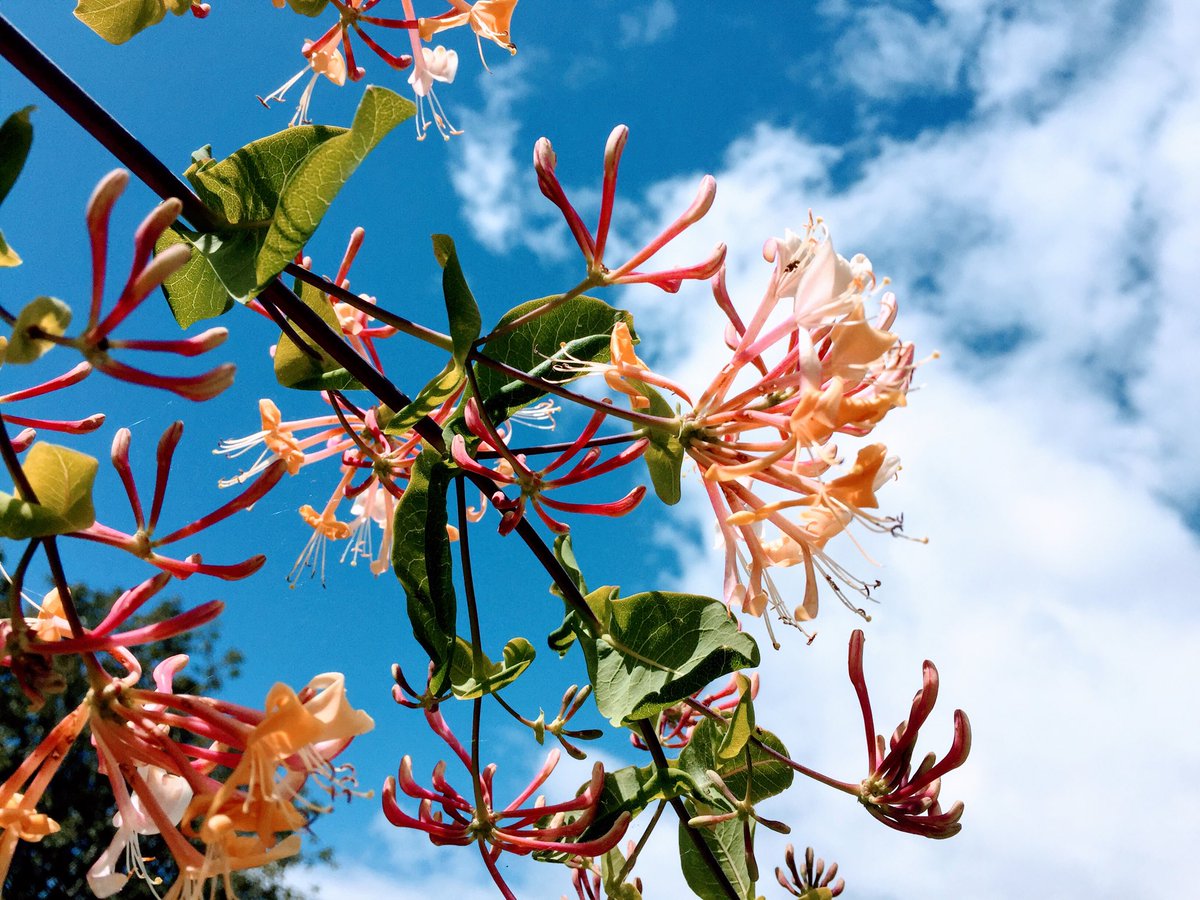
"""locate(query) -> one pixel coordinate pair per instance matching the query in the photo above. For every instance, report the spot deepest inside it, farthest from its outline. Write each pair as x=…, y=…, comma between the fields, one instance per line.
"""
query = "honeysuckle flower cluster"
x=233, y=785
x=488, y=19
x=811, y=877
x=448, y=817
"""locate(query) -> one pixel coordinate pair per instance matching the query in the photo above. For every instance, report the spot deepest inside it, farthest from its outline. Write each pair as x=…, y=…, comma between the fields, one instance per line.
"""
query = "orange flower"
x=489, y=19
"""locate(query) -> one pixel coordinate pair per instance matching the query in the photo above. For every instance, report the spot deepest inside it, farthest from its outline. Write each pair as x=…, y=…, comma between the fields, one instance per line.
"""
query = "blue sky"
x=1025, y=173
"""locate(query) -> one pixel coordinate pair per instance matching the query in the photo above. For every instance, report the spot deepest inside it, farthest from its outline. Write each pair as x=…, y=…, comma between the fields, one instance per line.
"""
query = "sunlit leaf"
x=473, y=675
x=118, y=20
x=62, y=480
x=658, y=648
x=273, y=193
x=45, y=314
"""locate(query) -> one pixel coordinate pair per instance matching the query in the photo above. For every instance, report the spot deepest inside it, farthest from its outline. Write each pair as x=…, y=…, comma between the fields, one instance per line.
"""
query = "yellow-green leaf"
x=118, y=20
x=472, y=677
x=62, y=480
x=47, y=315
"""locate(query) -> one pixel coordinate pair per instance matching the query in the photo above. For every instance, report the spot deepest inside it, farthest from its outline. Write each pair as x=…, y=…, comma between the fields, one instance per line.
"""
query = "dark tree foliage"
x=80, y=798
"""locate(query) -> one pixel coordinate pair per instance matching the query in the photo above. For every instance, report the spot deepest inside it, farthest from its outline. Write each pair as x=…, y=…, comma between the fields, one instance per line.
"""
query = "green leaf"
x=563, y=637
x=461, y=308
x=741, y=724
x=118, y=20
x=44, y=313
x=16, y=137
x=664, y=456
x=770, y=777
x=632, y=789
x=296, y=369
x=274, y=193
x=658, y=648
x=8, y=256
x=471, y=677
x=312, y=185
x=308, y=7
x=727, y=843
x=583, y=324
x=421, y=560
x=195, y=291
x=611, y=865
x=465, y=324
x=62, y=480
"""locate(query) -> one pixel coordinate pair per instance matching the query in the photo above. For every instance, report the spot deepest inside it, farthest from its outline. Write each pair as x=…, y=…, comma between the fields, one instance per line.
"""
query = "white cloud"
x=499, y=200
x=649, y=24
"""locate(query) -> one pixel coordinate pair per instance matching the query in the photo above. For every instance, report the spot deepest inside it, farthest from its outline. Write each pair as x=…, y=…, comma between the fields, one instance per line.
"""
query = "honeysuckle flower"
x=23, y=789
x=514, y=828
x=544, y=162
x=143, y=543
x=280, y=443
x=351, y=16
x=512, y=469
x=438, y=64
x=326, y=60
x=806, y=366
x=146, y=273
x=894, y=793
x=173, y=794
x=490, y=20
x=812, y=877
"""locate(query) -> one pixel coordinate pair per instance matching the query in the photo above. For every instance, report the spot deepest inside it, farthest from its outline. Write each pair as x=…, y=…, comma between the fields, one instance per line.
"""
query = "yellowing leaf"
x=62, y=480
x=45, y=314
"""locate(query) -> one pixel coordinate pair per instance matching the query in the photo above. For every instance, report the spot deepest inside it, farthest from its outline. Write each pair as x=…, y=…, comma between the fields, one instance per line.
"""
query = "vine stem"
x=401, y=324
x=99, y=123
x=26, y=492
x=464, y=556
x=650, y=738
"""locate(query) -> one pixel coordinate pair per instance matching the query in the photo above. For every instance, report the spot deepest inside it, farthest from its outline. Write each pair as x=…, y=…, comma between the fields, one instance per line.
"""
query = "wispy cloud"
x=649, y=24
x=490, y=172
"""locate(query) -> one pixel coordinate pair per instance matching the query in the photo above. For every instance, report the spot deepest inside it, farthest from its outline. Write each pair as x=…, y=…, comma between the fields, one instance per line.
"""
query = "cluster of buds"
x=448, y=817
x=44, y=322
x=488, y=19
x=221, y=783
x=893, y=792
x=594, y=245
x=814, y=877
x=513, y=469
x=143, y=542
